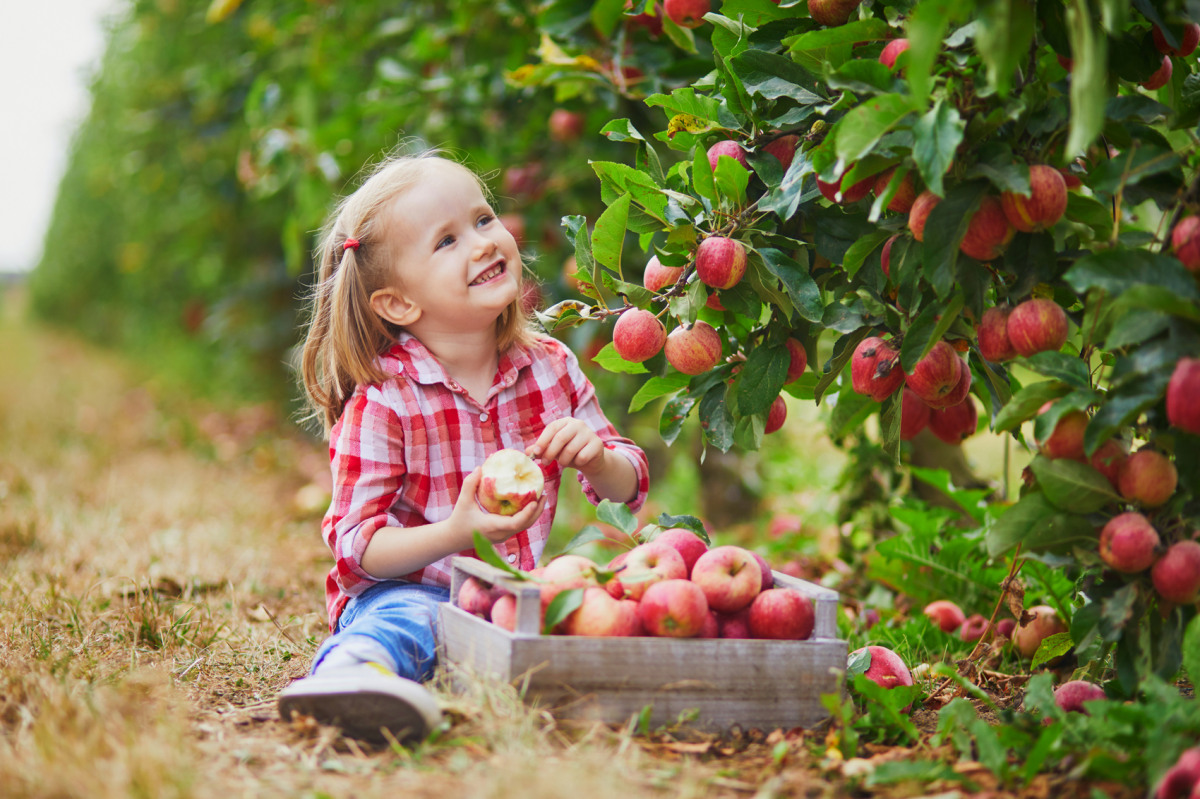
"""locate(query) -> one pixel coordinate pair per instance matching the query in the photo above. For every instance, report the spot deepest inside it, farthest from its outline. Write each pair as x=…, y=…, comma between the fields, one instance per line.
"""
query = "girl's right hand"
x=468, y=516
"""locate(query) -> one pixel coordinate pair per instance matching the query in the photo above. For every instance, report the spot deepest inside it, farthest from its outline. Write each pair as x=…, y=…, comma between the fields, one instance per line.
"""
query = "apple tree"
x=934, y=214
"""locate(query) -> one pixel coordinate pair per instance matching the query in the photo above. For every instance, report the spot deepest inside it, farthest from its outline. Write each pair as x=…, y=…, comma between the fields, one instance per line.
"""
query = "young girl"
x=420, y=363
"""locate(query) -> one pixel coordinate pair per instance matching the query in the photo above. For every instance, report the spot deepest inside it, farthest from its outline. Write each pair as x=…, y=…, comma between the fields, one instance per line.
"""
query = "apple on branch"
x=1037, y=325
x=638, y=335
x=914, y=415
x=1185, y=242
x=937, y=377
x=1147, y=477
x=776, y=415
x=720, y=262
x=1188, y=36
x=1043, y=206
x=1066, y=440
x=509, y=481
x=832, y=13
x=1176, y=575
x=875, y=369
x=992, y=333
x=693, y=349
x=1183, y=396
x=657, y=277
x=726, y=147
x=565, y=125
x=954, y=424
x=1129, y=543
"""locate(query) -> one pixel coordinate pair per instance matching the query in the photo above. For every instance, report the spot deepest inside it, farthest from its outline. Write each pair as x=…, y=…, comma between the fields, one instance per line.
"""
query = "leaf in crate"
x=564, y=604
x=1071, y=485
x=487, y=553
x=618, y=515
x=687, y=522
x=587, y=535
x=1051, y=647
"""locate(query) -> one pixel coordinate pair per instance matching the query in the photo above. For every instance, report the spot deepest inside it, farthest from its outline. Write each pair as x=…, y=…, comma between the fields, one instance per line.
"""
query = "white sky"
x=48, y=51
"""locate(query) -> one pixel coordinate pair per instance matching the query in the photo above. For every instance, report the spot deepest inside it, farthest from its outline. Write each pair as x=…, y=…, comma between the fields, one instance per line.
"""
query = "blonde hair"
x=345, y=336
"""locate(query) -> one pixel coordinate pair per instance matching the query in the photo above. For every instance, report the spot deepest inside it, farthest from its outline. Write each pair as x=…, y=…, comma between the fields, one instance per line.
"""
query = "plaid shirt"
x=402, y=448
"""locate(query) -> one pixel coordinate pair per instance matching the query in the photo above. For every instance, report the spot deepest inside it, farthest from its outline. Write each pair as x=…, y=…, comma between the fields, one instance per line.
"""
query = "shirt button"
x=512, y=558
x=483, y=417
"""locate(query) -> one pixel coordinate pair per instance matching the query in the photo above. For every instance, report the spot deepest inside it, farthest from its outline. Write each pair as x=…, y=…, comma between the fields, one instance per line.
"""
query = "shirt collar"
x=409, y=357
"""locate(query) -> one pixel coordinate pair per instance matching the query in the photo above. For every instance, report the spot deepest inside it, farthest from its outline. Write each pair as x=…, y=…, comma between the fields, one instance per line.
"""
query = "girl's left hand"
x=570, y=442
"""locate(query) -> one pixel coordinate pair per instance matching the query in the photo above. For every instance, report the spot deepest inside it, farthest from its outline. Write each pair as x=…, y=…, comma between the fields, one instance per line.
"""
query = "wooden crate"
x=748, y=683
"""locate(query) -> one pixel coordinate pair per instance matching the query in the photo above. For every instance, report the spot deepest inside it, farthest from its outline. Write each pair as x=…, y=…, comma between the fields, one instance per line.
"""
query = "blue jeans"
x=400, y=617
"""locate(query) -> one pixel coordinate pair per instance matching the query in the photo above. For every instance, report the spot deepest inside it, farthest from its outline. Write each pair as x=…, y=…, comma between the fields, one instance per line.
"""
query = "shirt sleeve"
x=586, y=407
x=367, y=460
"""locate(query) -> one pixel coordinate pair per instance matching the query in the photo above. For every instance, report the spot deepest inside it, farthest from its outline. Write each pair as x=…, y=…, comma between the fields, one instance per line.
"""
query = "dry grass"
x=160, y=581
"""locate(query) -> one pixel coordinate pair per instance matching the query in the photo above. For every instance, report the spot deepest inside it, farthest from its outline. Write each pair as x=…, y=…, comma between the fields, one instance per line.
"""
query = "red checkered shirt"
x=402, y=448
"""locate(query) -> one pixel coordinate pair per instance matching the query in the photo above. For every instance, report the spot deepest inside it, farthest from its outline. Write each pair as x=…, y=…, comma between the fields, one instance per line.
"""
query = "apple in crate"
x=645, y=565
x=689, y=545
x=510, y=480
x=673, y=609
x=477, y=597
x=729, y=576
x=782, y=614
x=599, y=615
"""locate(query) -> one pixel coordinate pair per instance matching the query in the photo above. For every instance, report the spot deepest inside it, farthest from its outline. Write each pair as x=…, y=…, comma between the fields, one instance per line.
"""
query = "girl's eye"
x=445, y=242
x=485, y=219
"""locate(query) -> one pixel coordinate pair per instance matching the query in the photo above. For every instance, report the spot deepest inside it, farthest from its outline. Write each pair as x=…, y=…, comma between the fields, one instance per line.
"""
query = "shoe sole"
x=362, y=712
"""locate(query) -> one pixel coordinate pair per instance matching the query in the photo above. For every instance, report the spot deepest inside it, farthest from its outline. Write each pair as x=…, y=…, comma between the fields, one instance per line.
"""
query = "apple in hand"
x=693, y=349
x=510, y=480
x=674, y=609
x=647, y=564
x=720, y=262
x=638, y=335
x=782, y=614
x=729, y=576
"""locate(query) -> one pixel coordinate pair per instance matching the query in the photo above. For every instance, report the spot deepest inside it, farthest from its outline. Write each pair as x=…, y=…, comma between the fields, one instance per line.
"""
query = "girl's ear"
x=394, y=307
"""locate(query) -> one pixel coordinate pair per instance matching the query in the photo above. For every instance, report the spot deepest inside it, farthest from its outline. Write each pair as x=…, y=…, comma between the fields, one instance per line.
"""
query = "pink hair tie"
x=350, y=244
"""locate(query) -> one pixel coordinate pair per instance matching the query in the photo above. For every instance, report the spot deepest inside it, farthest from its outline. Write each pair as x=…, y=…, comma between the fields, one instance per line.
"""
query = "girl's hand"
x=570, y=442
x=469, y=517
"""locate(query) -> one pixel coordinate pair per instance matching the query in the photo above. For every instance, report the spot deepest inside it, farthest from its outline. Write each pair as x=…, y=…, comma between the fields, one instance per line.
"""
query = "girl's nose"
x=484, y=246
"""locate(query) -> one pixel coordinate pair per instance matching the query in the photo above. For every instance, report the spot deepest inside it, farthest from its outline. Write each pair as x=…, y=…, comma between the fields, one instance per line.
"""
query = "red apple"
x=1161, y=76
x=782, y=614
x=798, y=361
x=1044, y=622
x=711, y=628
x=945, y=614
x=673, y=609
x=720, y=262
x=714, y=302
x=504, y=612
x=689, y=545
x=1071, y=695
x=729, y=576
x=638, y=335
x=886, y=669
x=565, y=125
x=1148, y=478
x=776, y=415
x=1183, y=396
x=885, y=257
x=994, y=344
x=523, y=181
x=726, y=146
x=1037, y=325
x=919, y=213
x=514, y=224
x=784, y=149
x=844, y=196
x=1129, y=543
x=973, y=627
x=1066, y=440
x=1006, y=627
x=955, y=423
x=891, y=51
x=936, y=375
x=1176, y=575
x=1108, y=459
x=651, y=22
x=914, y=415
x=477, y=597
x=768, y=578
x=1045, y=204
x=1188, y=36
x=832, y=12
x=687, y=13
x=509, y=481
x=562, y=573
x=599, y=615
x=1185, y=242
x=1180, y=780
x=734, y=625
x=988, y=232
x=657, y=277
x=902, y=200
x=875, y=369
x=693, y=349
x=647, y=564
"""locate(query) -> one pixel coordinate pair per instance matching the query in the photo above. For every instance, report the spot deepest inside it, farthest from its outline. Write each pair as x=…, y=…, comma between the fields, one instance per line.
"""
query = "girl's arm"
x=396, y=551
x=572, y=443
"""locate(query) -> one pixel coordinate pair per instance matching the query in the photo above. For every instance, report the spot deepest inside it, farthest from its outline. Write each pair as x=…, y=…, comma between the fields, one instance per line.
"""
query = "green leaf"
x=1003, y=39
x=618, y=515
x=944, y=231
x=927, y=329
x=784, y=199
x=1089, y=75
x=1070, y=369
x=731, y=180
x=702, y=176
x=1017, y=523
x=674, y=414
x=761, y=379
x=686, y=101
x=1117, y=270
x=1026, y=402
x=936, y=137
x=859, y=250
x=715, y=418
x=1135, y=327
x=859, y=130
x=1191, y=648
x=605, y=16
x=1157, y=298
x=800, y=286
x=588, y=534
x=657, y=387
x=608, y=359
x=608, y=236
x=772, y=76
x=1071, y=485
x=487, y=553
x=1051, y=647
x=925, y=29
x=564, y=604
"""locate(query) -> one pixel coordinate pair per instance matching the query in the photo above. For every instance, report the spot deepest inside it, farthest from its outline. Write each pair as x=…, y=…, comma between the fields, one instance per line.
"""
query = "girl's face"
x=456, y=267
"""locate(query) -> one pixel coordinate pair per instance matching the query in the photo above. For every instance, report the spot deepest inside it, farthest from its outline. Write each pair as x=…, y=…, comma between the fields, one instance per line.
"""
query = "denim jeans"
x=400, y=617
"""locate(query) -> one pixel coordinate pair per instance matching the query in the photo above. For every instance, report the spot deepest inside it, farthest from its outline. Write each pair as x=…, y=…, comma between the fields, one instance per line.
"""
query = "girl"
x=420, y=363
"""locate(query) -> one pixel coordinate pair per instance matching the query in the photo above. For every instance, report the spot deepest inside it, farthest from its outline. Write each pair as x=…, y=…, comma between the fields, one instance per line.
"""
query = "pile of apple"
x=672, y=586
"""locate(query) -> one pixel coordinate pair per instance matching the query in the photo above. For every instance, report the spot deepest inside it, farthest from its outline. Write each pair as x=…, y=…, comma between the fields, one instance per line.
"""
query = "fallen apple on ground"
x=945, y=614
x=509, y=481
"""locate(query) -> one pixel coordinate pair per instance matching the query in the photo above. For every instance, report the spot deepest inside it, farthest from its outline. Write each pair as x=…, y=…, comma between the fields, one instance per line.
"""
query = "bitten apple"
x=693, y=349
x=1043, y=623
x=781, y=614
x=729, y=576
x=720, y=262
x=638, y=335
x=510, y=480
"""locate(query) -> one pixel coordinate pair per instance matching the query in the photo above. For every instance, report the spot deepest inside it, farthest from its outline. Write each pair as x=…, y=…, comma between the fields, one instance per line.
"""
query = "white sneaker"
x=364, y=700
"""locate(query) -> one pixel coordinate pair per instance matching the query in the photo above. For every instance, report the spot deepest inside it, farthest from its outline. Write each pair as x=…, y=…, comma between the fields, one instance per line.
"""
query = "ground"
x=162, y=579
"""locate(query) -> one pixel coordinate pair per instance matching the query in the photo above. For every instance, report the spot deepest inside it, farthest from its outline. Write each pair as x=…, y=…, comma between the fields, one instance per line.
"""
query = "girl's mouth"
x=494, y=271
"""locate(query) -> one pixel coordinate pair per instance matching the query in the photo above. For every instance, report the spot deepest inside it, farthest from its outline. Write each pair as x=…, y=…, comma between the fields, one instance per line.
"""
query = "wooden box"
x=728, y=682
